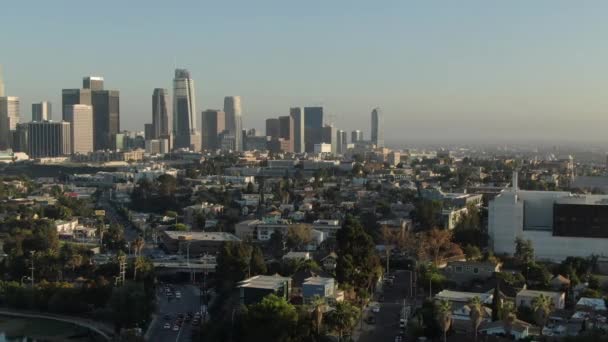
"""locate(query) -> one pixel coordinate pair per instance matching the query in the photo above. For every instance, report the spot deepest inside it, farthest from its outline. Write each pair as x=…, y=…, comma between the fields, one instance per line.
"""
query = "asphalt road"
x=188, y=303
x=386, y=327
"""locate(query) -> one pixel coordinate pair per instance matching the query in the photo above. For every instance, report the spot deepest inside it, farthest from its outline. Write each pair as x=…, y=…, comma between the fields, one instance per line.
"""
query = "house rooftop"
x=201, y=236
x=597, y=304
x=457, y=296
x=318, y=281
x=264, y=282
x=536, y=293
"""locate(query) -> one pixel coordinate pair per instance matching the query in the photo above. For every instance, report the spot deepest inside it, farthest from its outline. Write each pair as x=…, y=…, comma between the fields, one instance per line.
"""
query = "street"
x=189, y=302
x=386, y=327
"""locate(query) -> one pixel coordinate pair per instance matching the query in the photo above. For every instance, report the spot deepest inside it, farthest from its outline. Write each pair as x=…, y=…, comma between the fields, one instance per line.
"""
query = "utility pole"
x=122, y=263
x=32, y=268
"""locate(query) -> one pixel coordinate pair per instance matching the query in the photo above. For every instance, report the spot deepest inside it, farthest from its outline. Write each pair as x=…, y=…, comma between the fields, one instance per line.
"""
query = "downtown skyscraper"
x=213, y=123
x=234, y=120
x=297, y=114
x=41, y=111
x=9, y=118
x=313, y=130
x=161, y=114
x=80, y=118
x=184, y=109
x=377, y=132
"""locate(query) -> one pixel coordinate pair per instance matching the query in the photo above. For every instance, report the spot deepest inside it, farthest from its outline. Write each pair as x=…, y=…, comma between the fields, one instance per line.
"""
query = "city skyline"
x=481, y=67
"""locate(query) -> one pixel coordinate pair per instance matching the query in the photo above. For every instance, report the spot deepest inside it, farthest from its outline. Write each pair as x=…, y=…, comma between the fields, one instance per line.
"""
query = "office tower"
x=149, y=131
x=313, y=127
x=355, y=136
x=48, y=139
x=213, y=123
x=184, y=118
x=254, y=142
x=272, y=128
x=1, y=83
x=161, y=114
x=80, y=118
x=330, y=136
x=74, y=96
x=9, y=118
x=341, y=149
x=106, y=118
x=377, y=134
x=234, y=119
x=226, y=141
x=41, y=111
x=297, y=114
x=93, y=83
x=286, y=131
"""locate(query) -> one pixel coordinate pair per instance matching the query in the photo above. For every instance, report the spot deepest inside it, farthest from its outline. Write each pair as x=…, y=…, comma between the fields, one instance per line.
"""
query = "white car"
x=167, y=326
x=376, y=308
x=176, y=327
x=178, y=295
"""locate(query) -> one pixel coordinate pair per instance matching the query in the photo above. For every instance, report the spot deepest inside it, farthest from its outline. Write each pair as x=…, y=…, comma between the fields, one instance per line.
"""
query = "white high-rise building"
x=9, y=118
x=377, y=123
x=342, y=143
x=184, y=112
x=234, y=120
x=80, y=118
x=41, y=111
x=559, y=224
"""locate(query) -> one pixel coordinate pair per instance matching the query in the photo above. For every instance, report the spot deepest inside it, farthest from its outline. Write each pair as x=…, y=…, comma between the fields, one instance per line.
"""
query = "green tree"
x=277, y=244
x=342, y=319
x=167, y=185
x=130, y=305
x=542, y=307
x=358, y=263
x=524, y=251
x=472, y=252
x=507, y=312
x=299, y=236
x=234, y=260
x=273, y=319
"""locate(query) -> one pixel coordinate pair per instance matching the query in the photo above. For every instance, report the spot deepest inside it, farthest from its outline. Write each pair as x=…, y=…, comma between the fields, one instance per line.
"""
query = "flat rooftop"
x=201, y=236
x=264, y=282
x=584, y=200
x=318, y=281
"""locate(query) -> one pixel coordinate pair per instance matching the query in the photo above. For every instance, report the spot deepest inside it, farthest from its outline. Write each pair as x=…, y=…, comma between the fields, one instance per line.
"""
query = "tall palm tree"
x=507, y=313
x=138, y=263
x=318, y=305
x=443, y=310
x=542, y=307
x=138, y=245
x=476, y=313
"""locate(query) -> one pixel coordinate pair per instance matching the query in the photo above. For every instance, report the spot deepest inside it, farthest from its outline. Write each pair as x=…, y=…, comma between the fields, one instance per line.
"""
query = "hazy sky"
x=465, y=70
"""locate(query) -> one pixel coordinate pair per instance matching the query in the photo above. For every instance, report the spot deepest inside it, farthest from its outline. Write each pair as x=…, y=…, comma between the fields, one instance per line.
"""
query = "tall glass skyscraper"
x=377, y=134
x=184, y=109
x=234, y=119
x=313, y=131
x=9, y=118
x=298, y=129
x=161, y=114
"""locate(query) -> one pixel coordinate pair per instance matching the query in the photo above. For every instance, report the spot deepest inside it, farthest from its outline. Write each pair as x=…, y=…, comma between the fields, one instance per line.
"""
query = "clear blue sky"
x=439, y=69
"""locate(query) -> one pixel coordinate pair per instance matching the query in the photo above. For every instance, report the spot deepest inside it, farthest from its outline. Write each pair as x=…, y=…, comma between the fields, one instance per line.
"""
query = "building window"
x=459, y=269
x=475, y=270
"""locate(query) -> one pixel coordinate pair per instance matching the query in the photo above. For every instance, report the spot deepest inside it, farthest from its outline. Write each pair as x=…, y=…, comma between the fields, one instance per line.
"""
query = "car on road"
x=402, y=323
x=176, y=328
x=376, y=308
x=178, y=294
x=167, y=326
x=370, y=319
x=398, y=338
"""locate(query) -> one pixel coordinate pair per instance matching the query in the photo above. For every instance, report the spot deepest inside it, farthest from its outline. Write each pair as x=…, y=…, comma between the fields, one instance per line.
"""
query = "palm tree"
x=138, y=263
x=507, y=313
x=318, y=305
x=443, y=310
x=476, y=313
x=542, y=307
x=343, y=318
x=138, y=245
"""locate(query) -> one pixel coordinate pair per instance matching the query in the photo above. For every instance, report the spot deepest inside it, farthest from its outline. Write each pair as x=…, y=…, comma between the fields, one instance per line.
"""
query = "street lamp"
x=32, y=254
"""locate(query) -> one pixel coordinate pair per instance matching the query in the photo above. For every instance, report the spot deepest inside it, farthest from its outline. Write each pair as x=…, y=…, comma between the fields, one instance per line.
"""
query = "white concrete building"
x=80, y=118
x=559, y=224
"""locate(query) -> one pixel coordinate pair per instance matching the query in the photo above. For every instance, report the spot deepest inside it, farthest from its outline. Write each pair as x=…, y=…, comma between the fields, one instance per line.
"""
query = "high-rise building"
x=330, y=136
x=286, y=131
x=272, y=128
x=80, y=118
x=342, y=142
x=297, y=114
x=41, y=111
x=313, y=127
x=1, y=83
x=377, y=125
x=106, y=118
x=213, y=123
x=74, y=96
x=9, y=118
x=184, y=109
x=355, y=136
x=161, y=114
x=92, y=82
x=48, y=139
x=234, y=119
